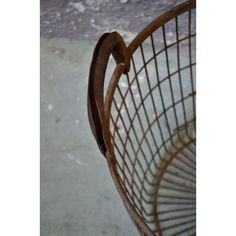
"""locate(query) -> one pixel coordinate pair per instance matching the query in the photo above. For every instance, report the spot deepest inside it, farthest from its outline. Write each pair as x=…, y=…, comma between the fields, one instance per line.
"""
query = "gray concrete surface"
x=87, y=19
x=77, y=193
x=78, y=196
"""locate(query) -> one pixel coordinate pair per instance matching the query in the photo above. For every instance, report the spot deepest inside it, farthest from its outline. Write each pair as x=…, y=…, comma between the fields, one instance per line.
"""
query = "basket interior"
x=152, y=126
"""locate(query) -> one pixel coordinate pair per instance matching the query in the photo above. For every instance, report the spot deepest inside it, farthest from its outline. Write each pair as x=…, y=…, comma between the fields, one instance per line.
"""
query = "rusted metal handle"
x=109, y=43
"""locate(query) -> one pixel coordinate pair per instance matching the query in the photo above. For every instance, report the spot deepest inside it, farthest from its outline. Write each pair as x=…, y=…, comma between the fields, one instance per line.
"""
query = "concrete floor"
x=78, y=196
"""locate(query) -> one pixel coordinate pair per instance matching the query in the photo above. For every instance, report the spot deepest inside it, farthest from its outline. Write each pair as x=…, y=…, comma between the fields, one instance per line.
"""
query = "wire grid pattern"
x=152, y=125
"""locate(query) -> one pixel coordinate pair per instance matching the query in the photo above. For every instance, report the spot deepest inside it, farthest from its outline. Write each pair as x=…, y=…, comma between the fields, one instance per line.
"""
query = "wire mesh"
x=152, y=129
x=153, y=132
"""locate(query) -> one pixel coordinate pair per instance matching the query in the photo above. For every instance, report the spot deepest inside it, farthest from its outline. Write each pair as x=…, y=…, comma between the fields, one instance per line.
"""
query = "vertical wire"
x=140, y=146
x=154, y=107
x=122, y=120
x=158, y=81
x=169, y=78
x=118, y=133
x=179, y=73
x=136, y=157
x=115, y=123
x=138, y=115
x=190, y=62
x=153, y=47
x=158, y=227
x=138, y=85
x=144, y=108
x=139, y=119
x=131, y=125
x=149, y=85
x=162, y=99
x=128, y=156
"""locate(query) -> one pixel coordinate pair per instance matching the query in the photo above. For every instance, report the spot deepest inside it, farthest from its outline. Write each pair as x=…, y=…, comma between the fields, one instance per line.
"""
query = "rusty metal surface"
x=144, y=123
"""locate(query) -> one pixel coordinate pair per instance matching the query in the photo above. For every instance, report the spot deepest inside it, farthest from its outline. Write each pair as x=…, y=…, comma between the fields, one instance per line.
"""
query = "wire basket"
x=144, y=122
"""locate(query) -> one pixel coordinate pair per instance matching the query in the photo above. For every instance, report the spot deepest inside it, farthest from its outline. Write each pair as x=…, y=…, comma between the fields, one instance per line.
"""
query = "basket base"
x=174, y=194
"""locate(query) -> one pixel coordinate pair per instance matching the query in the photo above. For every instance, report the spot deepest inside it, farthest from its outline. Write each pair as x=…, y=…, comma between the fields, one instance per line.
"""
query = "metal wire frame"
x=145, y=124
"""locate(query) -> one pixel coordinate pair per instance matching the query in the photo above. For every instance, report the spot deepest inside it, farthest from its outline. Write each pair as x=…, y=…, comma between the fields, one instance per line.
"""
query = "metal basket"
x=144, y=123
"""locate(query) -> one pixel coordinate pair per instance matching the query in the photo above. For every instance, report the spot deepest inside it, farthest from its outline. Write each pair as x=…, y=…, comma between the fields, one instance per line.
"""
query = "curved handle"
x=107, y=44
